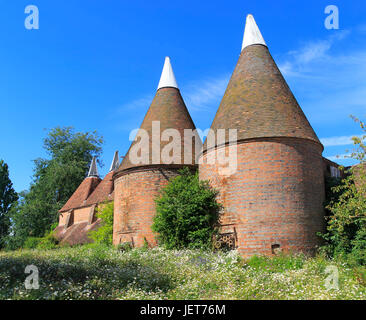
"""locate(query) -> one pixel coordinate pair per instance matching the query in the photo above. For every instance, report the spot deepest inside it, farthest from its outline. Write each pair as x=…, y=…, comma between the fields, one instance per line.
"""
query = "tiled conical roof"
x=103, y=192
x=169, y=108
x=79, y=197
x=258, y=102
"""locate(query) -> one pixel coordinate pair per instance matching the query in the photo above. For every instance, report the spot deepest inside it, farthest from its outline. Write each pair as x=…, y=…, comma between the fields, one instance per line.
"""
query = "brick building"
x=77, y=216
x=272, y=199
x=138, y=181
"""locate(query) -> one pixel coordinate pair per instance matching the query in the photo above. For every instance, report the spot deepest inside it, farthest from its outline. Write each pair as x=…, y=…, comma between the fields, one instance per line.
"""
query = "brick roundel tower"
x=273, y=199
x=157, y=153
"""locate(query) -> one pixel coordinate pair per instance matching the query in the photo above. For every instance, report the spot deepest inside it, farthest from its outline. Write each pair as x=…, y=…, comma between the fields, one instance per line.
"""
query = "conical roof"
x=104, y=190
x=79, y=197
x=258, y=102
x=169, y=109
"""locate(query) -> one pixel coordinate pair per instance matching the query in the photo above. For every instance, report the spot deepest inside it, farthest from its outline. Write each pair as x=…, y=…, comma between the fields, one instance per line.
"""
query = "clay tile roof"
x=169, y=108
x=76, y=234
x=258, y=102
x=79, y=197
x=103, y=192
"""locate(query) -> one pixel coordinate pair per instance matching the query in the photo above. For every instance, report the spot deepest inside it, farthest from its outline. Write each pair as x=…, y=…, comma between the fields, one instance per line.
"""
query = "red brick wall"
x=134, y=206
x=82, y=214
x=63, y=218
x=275, y=196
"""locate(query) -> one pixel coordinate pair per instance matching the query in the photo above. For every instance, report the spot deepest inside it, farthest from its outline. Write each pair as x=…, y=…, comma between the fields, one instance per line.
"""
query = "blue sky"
x=95, y=65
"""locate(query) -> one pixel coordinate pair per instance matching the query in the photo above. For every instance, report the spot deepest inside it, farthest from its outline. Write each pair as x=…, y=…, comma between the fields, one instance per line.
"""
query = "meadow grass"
x=99, y=272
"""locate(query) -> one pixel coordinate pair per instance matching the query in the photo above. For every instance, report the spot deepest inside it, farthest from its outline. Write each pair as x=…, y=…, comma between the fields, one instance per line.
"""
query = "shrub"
x=358, y=253
x=346, y=230
x=125, y=246
x=104, y=233
x=187, y=213
x=31, y=243
x=46, y=242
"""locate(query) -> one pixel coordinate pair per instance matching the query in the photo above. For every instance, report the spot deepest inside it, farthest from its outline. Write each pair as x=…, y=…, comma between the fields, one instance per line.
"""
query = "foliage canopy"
x=54, y=181
x=8, y=197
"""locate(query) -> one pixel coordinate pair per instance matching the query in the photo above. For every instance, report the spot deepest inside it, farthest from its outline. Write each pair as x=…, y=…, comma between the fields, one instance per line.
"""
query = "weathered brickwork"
x=138, y=184
x=134, y=205
x=275, y=198
x=82, y=214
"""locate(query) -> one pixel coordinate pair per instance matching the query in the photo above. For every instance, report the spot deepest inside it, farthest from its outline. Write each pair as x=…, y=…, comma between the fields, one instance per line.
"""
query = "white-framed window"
x=335, y=172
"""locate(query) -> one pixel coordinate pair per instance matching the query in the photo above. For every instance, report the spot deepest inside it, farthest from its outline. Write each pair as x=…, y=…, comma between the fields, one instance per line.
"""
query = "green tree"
x=187, y=213
x=8, y=197
x=54, y=180
x=346, y=229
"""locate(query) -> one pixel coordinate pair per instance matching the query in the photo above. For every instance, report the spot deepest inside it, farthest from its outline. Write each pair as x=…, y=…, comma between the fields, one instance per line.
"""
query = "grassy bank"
x=105, y=273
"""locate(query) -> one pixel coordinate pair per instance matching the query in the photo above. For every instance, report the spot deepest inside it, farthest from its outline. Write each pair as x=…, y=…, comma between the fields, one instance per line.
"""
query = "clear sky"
x=95, y=65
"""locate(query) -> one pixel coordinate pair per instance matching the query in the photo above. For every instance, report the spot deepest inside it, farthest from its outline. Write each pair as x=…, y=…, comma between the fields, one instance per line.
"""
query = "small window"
x=276, y=248
x=335, y=172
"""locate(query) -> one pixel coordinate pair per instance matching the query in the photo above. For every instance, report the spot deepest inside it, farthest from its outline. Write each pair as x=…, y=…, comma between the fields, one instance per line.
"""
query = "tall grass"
x=101, y=272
